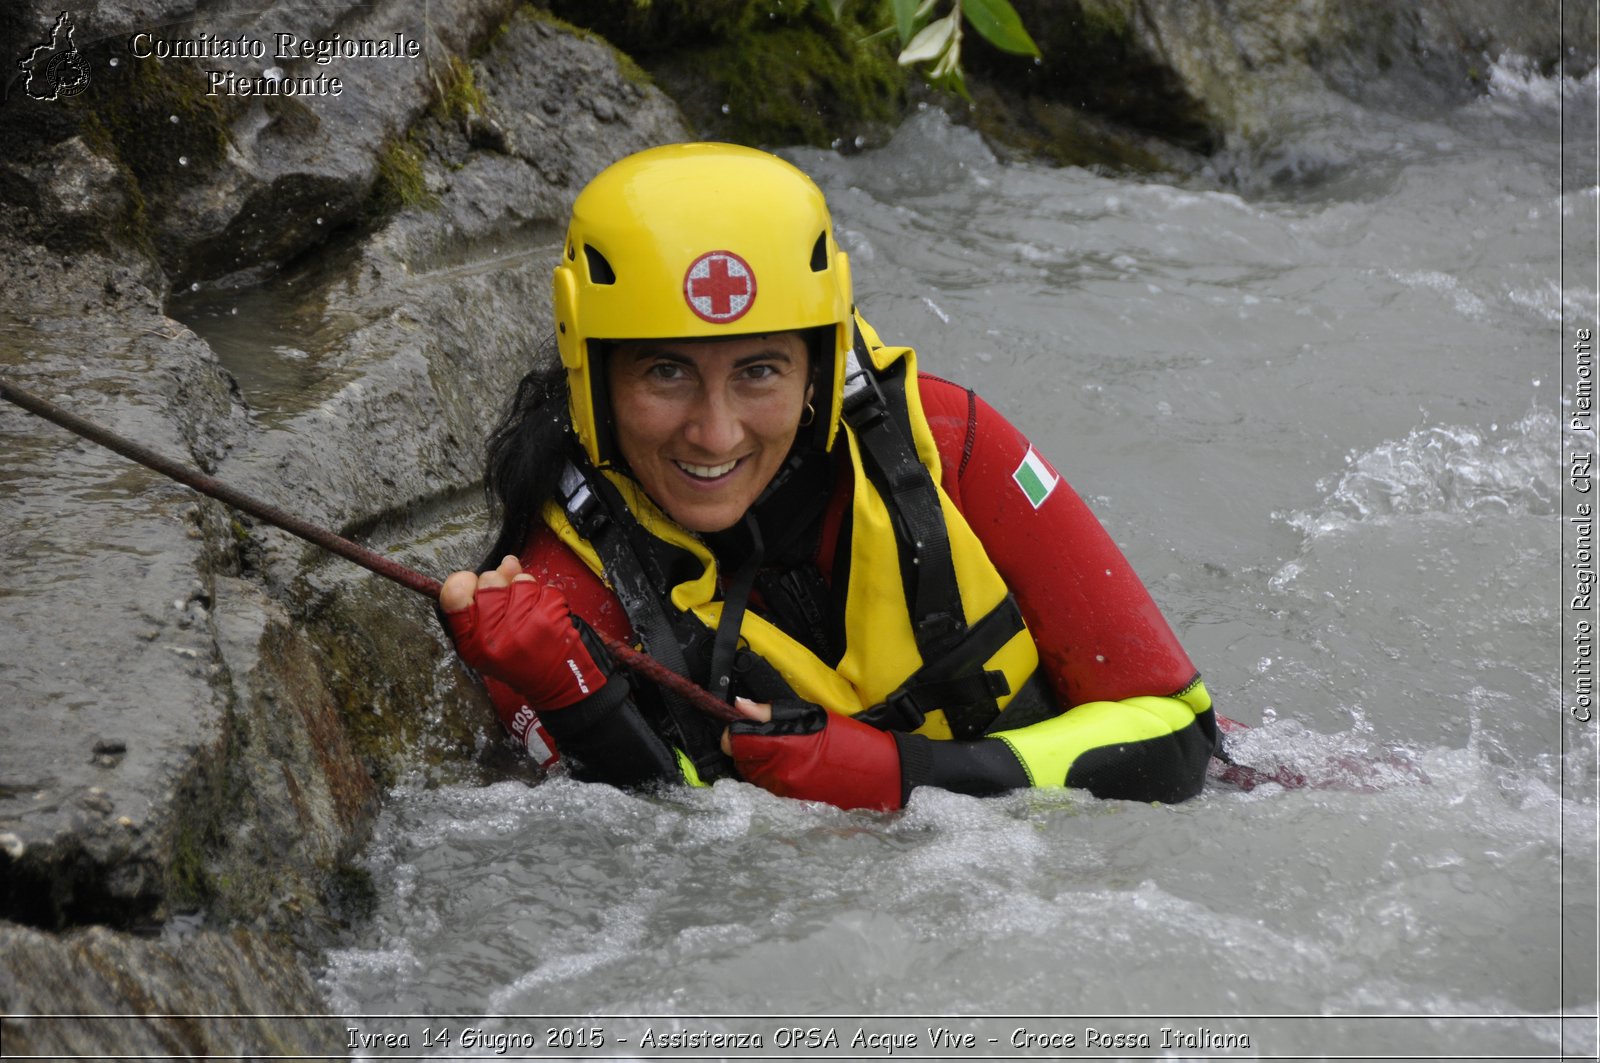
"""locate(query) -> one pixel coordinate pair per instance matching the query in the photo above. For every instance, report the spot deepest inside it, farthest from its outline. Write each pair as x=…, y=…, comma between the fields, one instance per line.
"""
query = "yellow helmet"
x=695, y=241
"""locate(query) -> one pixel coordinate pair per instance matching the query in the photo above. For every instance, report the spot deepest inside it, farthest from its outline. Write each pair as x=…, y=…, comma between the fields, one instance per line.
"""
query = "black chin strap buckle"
x=864, y=403
x=579, y=501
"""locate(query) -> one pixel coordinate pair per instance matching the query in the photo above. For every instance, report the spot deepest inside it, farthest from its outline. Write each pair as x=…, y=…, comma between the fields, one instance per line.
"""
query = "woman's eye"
x=665, y=371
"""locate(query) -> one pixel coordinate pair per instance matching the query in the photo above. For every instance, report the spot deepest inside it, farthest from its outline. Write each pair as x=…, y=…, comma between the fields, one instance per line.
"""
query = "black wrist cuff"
x=583, y=715
x=916, y=762
x=604, y=738
x=980, y=768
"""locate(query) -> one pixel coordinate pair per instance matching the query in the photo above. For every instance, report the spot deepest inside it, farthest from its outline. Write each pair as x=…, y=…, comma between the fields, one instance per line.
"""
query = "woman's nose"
x=714, y=425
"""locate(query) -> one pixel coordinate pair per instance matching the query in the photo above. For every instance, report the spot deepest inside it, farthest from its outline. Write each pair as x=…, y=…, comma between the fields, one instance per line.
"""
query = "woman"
x=730, y=469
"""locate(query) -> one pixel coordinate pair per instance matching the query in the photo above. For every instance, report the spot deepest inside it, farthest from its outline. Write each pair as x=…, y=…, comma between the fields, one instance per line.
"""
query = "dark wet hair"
x=525, y=453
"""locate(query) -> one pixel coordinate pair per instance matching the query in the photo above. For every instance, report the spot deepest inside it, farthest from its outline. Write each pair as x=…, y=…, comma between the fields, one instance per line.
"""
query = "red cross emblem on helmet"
x=720, y=286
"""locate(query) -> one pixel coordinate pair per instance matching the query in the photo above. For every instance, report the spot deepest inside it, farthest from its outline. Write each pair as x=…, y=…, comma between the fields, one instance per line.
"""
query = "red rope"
x=386, y=567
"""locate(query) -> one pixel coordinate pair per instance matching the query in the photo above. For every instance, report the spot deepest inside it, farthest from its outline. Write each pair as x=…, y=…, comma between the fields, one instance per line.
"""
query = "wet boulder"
x=108, y=658
x=201, y=990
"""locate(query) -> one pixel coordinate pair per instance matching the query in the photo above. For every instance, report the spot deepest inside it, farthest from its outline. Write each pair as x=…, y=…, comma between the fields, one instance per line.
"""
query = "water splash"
x=1448, y=470
x=1515, y=80
x=1466, y=303
x=1285, y=754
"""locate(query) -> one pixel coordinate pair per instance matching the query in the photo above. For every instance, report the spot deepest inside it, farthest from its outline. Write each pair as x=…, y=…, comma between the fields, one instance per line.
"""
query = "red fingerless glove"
x=525, y=636
x=808, y=753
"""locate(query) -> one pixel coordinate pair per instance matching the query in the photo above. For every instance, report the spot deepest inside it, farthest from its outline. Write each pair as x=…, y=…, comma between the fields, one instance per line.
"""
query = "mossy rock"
x=196, y=834
x=787, y=86
x=761, y=72
x=630, y=69
x=457, y=96
x=165, y=128
x=400, y=181
x=399, y=719
x=645, y=28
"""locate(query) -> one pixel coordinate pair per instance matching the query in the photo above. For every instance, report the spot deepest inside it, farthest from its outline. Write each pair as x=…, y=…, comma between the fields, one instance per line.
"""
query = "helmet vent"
x=819, y=253
x=600, y=271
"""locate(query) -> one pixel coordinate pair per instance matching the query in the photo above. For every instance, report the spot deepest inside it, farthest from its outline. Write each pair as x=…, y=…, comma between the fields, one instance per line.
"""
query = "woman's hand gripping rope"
x=508, y=625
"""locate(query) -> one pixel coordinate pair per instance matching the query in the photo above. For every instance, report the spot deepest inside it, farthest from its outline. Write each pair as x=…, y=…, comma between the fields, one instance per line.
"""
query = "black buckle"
x=859, y=399
x=904, y=707
x=972, y=720
x=580, y=501
x=897, y=712
x=901, y=711
x=999, y=685
x=938, y=630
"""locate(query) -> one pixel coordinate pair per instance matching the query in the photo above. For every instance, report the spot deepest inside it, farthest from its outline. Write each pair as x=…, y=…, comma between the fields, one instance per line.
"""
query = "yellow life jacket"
x=881, y=641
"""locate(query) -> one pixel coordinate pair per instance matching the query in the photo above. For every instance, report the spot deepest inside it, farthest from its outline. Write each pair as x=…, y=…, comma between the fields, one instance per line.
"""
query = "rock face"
x=208, y=974
x=229, y=183
x=108, y=653
x=1186, y=86
x=202, y=713
x=324, y=300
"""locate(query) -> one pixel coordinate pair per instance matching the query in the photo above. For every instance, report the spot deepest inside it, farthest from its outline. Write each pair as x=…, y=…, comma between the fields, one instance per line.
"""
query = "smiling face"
x=705, y=425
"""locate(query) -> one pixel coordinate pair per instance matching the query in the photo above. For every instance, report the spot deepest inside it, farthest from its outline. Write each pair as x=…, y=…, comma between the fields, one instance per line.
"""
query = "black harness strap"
x=735, y=599
x=891, y=460
x=600, y=515
x=1032, y=704
x=952, y=677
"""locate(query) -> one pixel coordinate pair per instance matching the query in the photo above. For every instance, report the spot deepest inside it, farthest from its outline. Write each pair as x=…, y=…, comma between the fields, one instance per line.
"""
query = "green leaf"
x=836, y=8
x=933, y=41
x=999, y=24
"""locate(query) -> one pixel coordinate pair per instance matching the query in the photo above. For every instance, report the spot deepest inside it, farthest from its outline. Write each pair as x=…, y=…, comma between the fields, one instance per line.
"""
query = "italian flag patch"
x=1035, y=478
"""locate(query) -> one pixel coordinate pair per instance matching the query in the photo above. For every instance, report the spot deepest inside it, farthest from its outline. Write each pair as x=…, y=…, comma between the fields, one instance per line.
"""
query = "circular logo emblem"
x=67, y=74
x=720, y=286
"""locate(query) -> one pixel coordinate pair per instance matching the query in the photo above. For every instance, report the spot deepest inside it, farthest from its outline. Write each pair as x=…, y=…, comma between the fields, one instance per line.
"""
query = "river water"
x=1323, y=418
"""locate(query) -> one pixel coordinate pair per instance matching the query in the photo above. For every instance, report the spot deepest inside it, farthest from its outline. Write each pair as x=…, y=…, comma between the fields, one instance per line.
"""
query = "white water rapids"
x=1325, y=424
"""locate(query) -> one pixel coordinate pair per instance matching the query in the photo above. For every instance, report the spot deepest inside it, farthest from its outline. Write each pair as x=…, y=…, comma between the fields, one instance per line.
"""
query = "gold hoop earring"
x=809, y=416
